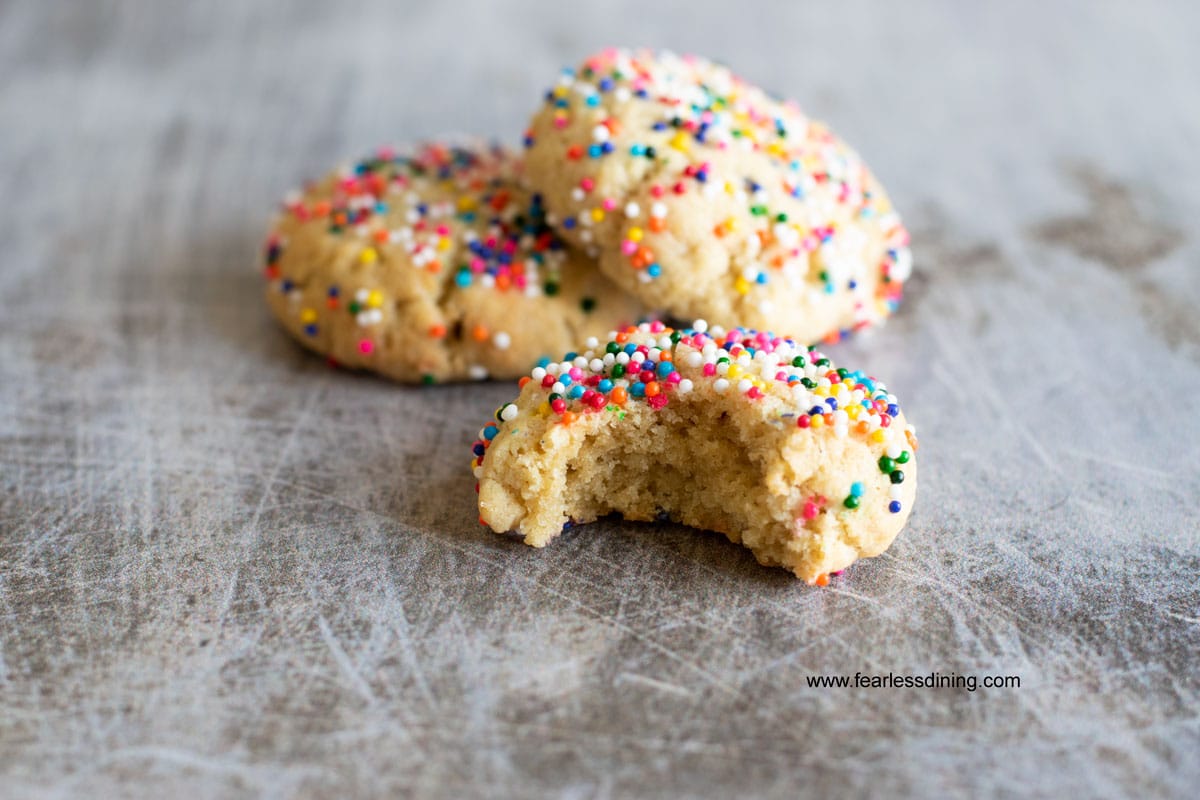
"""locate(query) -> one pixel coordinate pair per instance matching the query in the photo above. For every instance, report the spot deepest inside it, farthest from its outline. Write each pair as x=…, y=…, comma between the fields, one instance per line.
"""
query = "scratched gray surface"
x=228, y=571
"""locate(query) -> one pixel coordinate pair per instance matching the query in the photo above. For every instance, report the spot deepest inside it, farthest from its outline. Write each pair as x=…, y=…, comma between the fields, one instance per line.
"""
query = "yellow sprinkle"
x=369, y=256
x=679, y=141
x=729, y=189
x=730, y=224
x=821, y=391
x=816, y=421
x=308, y=316
x=853, y=411
x=543, y=409
x=635, y=234
x=467, y=203
x=734, y=371
x=877, y=436
x=375, y=298
x=598, y=214
x=443, y=243
x=560, y=91
x=742, y=285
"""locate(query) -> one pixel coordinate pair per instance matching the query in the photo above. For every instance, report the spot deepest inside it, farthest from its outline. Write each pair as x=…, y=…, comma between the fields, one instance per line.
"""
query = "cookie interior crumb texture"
x=433, y=264
x=757, y=437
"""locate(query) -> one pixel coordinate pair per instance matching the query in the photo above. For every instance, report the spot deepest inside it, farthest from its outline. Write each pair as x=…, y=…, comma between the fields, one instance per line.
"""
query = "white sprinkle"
x=694, y=359
x=700, y=326
x=477, y=372
x=841, y=431
x=600, y=134
x=592, y=343
x=502, y=340
x=558, y=388
x=632, y=210
x=609, y=359
x=744, y=385
x=580, y=362
x=622, y=358
x=659, y=209
x=895, y=492
x=538, y=373
x=637, y=357
x=596, y=365
x=720, y=385
x=685, y=386
x=577, y=194
x=509, y=412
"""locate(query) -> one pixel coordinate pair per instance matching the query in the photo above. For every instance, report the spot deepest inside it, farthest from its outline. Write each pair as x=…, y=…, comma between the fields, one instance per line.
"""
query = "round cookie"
x=741, y=432
x=433, y=265
x=707, y=198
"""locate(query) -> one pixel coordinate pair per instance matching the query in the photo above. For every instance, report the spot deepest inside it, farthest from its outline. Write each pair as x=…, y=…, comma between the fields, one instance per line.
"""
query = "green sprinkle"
x=428, y=379
x=851, y=501
x=886, y=465
x=902, y=458
x=587, y=304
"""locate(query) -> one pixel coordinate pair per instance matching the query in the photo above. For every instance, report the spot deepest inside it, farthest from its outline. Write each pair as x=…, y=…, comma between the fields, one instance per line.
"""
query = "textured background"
x=227, y=570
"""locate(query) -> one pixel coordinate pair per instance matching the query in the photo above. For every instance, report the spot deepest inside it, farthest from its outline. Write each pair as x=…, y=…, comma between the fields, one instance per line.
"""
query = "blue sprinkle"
x=761, y=278
x=605, y=386
x=544, y=362
x=638, y=389
x=893, y=410
x=665, y=368
x=595, y=151
x=576, y=392
x=831, y=402
x=463, y=278
x=894, y=506
x=568, y=223
x=856, y=489
x=593, y=100
x=654, y=270
x=490, y=432
x=311, y=330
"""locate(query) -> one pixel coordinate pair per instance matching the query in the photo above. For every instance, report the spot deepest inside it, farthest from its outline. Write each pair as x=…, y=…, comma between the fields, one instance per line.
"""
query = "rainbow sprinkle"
x=807, y=205
x=655, y=365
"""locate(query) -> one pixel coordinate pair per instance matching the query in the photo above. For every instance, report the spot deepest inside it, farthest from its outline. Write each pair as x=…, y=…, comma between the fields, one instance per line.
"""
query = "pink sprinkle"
x=366, y=347
x=810, y=510
x=628, y=247
x=587, y=184
x=656, y=327
x=609, y=204
x=657, y=190
x=576, y=374
x=710, y=370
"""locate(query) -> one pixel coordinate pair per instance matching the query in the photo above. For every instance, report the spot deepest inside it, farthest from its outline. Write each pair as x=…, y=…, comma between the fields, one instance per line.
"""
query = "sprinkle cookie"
x=433, y=265
x=705, y=197
x=741, y=432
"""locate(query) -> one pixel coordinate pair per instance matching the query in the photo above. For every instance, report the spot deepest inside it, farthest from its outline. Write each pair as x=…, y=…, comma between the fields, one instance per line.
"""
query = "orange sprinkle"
x=436, y=331
x=521, y=383
x=822, y=580
x=657, y=224
x=619, y=395
x=569, y=417
x=321, y=208
x=380, y=235
x=652, y=389
x=479, y=333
